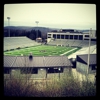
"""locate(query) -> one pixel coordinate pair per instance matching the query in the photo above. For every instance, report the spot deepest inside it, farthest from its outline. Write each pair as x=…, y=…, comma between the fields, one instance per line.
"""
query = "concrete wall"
x=66, y=71
x=15, y=73
x=48, y=39
x=91, y=71
x=83, y=68
x=80, y=67
x=42, y=74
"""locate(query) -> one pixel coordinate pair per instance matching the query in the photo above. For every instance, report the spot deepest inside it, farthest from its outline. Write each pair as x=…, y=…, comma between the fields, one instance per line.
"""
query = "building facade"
x=37, y=68
x=82, y=64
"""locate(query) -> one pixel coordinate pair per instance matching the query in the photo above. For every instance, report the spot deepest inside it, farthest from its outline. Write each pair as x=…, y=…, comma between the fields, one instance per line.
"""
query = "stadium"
x=50, y=57
x=44, y=64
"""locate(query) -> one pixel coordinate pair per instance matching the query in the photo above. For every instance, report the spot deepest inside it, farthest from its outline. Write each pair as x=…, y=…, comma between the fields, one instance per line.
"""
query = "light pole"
x=37, y=26
x=8, y=25
x=89, y=47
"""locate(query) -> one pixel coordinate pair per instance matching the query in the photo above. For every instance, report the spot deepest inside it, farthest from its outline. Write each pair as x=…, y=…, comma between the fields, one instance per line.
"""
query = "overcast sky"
x=53, y=15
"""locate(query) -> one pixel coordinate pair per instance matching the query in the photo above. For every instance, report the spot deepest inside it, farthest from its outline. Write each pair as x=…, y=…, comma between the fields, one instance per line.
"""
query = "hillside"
x=42, y=29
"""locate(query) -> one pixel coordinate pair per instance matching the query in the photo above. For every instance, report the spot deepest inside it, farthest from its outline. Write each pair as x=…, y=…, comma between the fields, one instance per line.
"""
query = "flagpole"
x=89, y=48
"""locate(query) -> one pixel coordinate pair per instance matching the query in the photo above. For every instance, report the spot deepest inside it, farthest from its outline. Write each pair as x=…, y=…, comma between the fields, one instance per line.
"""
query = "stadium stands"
x=67, y=42
x=76, y=43
x=84, y=50
x=18, y=42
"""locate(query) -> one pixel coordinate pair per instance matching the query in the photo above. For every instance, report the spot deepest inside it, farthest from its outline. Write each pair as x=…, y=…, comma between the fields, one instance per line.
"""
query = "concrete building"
x=71, y=35
x=38, y=67
x=82, y=64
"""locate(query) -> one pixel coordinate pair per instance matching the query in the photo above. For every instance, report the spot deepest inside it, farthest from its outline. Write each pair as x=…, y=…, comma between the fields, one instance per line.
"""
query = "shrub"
x=66, y=86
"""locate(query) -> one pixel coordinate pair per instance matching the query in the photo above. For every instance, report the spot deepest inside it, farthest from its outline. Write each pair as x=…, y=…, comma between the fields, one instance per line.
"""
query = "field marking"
x=68, y=51
x=27, y=50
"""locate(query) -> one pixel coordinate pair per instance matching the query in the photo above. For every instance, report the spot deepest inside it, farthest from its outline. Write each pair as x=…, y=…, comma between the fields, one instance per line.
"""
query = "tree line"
x=33, y=34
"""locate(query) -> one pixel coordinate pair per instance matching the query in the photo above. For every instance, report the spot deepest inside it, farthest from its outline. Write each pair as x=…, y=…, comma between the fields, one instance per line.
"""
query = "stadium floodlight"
x=37, y=26
x=9, y=25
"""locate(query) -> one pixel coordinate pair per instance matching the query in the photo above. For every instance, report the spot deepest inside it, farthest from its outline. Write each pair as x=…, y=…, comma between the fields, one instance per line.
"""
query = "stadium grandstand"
x=74, y=39
x=18, y=42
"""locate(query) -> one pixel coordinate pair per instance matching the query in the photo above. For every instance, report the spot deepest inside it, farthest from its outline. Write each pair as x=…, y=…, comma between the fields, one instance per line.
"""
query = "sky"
x=52, y=15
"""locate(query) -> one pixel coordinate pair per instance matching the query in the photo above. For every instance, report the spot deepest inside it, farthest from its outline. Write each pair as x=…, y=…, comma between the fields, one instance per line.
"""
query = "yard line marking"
x=68, y=51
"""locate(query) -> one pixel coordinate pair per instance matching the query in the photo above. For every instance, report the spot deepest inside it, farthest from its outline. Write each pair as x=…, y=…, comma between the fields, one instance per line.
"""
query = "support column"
x=64, y=36
x=60, y=39
x=69, y=36
x=83, y=37
x=47, y=35
x=78, y=37
x=56, y=36
x=51, y=35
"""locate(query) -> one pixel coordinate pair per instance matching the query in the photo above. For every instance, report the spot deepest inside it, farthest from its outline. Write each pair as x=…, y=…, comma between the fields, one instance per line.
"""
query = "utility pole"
x=8, y=26
x=89, y=48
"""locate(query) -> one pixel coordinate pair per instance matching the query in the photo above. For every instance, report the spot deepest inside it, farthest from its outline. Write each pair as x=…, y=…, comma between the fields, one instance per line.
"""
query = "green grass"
x=38, y=50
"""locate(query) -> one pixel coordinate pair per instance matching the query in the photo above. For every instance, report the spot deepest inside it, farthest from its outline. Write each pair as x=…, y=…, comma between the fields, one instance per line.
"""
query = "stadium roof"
x=24, y=61
x=84, y=59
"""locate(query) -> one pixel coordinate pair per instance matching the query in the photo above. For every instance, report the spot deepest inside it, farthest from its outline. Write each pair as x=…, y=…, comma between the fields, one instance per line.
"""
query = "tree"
x=31, y=36
x=39, y=33
x=44, y=36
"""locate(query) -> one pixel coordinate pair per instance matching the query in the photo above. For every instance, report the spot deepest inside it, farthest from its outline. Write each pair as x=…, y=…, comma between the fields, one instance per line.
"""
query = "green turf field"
x=43, y=50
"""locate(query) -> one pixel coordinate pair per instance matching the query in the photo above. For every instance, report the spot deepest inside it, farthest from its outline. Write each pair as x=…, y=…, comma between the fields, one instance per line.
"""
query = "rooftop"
x=84, y=58
x=23, y=61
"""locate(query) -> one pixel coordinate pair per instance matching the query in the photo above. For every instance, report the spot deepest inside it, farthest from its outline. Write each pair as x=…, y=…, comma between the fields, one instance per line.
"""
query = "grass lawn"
x=43, y=50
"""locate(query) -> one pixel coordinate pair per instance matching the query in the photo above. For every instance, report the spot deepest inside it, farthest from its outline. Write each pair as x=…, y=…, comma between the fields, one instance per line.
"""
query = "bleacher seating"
x=67, y=42
x=84, y=50
x=15, y=42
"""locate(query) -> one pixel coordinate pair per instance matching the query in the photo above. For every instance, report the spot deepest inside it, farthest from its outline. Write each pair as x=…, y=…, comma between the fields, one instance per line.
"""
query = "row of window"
x=80, y=37
x=34, y=70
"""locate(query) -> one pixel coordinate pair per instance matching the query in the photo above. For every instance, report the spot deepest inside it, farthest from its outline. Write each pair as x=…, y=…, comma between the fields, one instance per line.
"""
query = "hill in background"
x=42, y=29
x=27, y=28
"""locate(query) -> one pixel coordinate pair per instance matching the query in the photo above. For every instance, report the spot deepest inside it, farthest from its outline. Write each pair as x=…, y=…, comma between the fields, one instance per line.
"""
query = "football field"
x=42, y=50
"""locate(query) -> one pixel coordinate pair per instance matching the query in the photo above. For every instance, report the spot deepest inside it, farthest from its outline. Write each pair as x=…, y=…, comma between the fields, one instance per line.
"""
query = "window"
x=86, y=35
x=75, y=37
x=49, y=35
x=6, y=71
x=93, y=67
x=66, y=36
x=35, y=71
x=58, y=36
x=62, y=36
x=54, y=35
x=29, y=71
x=55, y=70
x=80, y=37
x=71, y=36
